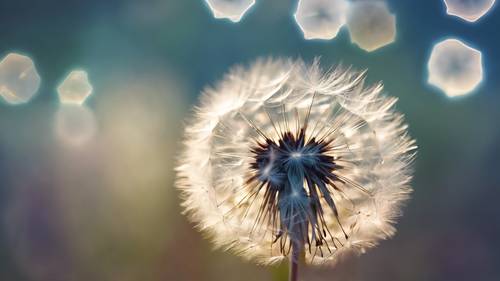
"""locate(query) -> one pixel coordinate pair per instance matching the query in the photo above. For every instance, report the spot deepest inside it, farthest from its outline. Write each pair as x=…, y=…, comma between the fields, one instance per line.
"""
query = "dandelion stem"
x=294, y=270
x=295, y=258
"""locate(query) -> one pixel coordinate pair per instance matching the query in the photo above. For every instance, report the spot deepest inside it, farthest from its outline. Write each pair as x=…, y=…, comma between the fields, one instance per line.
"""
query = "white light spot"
x=19, y=80
x=230, y=9
x=321, y=19
x=469, y=10
x=455, y=67
x=371, y=24
x=75, y=125
x=296, y=155
x=75, y=88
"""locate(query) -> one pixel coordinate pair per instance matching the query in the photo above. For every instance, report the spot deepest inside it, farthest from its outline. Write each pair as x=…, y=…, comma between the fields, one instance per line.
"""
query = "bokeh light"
x=230, y=9
x=98, y=203
x=19, y=79
x=125, y=174
x=455, y=67
x=469, y=10
x=321, y=19
x=371, y=24
x=75, y=124
x=75, y=88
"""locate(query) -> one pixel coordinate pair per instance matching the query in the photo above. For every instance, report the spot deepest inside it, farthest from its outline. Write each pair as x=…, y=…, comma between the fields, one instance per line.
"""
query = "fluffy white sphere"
x=283, y=152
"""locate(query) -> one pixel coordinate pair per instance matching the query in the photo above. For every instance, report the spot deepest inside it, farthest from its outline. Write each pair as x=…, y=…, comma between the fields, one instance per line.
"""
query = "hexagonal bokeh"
x=469, y=10
x=455, y=67
x=321, y=19
x=75, y=88
x=19, y=79
x=371, y=24
x=230, y=9
x=75, y=125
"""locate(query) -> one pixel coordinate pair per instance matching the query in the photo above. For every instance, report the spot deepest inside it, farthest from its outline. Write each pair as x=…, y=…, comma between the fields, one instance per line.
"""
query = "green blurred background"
x=108, y=210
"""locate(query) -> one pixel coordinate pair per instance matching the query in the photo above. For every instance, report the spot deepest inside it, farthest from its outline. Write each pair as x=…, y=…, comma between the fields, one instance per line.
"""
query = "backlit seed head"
x=285, y=153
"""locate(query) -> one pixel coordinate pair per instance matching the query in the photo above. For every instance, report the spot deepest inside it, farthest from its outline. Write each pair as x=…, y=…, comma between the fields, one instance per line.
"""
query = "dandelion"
x=286, y=160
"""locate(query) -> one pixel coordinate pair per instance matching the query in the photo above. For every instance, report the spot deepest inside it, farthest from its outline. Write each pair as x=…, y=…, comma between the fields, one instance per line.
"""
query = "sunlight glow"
x=19, y=80
x=321, y=19
x=371, y=24
x=230, y=9
x=75, y=88
x=469, y=10
x=455, y=67
x=75, y=124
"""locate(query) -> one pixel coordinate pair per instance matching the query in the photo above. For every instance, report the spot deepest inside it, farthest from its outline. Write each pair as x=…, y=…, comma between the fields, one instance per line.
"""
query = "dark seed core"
x=298, y=179
x=275, y=161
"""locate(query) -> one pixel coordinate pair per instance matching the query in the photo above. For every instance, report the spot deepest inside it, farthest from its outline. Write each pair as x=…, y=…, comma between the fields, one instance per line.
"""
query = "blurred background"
x=107, y=210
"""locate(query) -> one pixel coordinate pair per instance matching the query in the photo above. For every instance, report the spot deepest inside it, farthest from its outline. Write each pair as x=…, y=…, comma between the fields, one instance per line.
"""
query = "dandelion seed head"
x=284, y=153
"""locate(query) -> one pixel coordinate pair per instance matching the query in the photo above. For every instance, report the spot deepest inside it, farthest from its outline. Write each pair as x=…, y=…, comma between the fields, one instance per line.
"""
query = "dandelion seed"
x=292, y=164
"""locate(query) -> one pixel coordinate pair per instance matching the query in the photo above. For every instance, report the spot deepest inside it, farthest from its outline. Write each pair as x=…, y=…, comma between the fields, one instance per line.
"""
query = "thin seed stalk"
x=295, y=260
x=294, y=270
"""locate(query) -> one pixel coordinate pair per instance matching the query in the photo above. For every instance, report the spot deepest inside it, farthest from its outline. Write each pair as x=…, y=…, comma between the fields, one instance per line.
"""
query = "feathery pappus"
x=283, y=158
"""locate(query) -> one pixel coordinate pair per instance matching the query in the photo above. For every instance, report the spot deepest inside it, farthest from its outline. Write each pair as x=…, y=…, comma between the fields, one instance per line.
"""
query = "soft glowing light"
x=455, y=67
x=371, y=24
x=75, y=88
x=19, y=80
x=321, y=19
x=230, y=9
x=469, y=10
x=125, y=169
x=75, y=124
